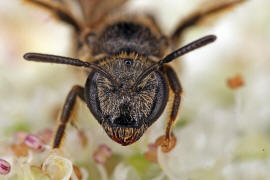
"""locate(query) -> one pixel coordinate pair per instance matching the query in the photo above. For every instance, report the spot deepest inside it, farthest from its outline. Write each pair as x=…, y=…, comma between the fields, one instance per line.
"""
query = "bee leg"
x=168, y=141
x=59, y=11
x=199, y=16
x=66, y=113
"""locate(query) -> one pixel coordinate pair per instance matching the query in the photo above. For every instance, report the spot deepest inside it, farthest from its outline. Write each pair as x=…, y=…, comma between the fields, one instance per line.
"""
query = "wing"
x=59, y=10
x=95, y=10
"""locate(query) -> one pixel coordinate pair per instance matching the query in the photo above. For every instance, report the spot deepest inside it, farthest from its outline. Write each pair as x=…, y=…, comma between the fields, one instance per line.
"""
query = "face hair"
x=179, y=52
x=47, y=58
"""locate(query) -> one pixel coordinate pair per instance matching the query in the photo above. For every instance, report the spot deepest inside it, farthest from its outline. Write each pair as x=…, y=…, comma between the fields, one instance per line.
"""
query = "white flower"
x=57, y=167
x=124, y=172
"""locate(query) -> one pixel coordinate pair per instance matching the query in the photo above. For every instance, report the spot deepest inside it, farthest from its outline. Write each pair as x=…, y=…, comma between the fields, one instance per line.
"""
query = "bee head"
x=126, y=110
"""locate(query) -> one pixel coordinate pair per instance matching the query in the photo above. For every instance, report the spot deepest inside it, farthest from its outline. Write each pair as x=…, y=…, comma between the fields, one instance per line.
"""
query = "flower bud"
x=4, y=167
x=102, y=154
x=34, y=143
x=45, y=135
x=151, y=154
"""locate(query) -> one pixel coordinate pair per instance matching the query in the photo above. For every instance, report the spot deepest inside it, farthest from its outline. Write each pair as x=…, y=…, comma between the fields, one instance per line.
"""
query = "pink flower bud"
x=34, y=143
x=105, y=149
x=45, y=135
x=151, y=154
x=4, y=167
x=152, y=147
x=102, y=154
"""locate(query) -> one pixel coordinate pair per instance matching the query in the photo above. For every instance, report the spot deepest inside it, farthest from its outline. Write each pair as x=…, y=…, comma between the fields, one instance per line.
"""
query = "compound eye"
x=91, y=96
x=98, y=90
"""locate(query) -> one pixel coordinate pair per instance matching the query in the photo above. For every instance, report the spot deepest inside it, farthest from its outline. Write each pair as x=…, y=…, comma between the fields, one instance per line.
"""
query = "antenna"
x=47, y=58
x=179, y=52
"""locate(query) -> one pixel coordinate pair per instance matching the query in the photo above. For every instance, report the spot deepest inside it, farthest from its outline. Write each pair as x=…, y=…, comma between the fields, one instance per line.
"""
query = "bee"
x=128, y=84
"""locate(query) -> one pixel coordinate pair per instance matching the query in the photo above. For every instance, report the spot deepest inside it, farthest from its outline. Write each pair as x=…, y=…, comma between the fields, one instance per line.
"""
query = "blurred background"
x=223, y=132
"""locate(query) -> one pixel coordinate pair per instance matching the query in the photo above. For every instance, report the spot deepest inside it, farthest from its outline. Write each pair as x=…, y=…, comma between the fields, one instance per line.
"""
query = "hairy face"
x=125, y=111
x=126, y=105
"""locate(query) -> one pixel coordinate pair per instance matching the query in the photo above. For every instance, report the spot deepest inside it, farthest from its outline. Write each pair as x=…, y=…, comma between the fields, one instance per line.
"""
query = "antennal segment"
x=47, y=58
x=179, y=52
x=187, y=48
